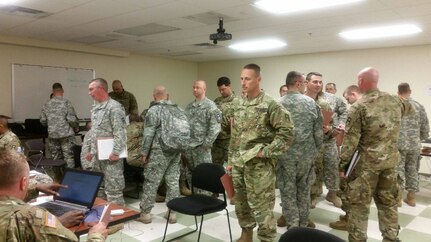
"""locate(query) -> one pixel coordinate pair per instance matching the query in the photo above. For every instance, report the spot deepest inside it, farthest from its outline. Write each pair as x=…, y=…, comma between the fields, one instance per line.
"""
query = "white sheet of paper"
x=104, y=148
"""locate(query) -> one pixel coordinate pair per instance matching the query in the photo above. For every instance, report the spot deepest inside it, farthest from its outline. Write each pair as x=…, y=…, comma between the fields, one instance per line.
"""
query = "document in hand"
x=327, y=117
x=226, y=180
x=353, y=162
x=105, y=146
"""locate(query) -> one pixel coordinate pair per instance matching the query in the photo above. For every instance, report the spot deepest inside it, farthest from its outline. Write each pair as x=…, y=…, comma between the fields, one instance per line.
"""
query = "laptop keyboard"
x=56, y=209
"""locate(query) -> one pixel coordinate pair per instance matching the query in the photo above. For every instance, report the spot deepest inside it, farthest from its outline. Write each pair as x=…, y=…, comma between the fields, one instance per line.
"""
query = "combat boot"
x=411, y=198
x=246, y=235
x=115, y=228
x=340, y=224
x=311, y=224
x=313, y=201
x=160, y=198
x=184, y=189
x=333, y=198
x=281, y=221
x=172, y=217
x=144, y=218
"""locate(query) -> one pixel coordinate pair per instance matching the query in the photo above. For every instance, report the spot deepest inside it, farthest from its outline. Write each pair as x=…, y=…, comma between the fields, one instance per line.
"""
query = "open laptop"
x=81, y=191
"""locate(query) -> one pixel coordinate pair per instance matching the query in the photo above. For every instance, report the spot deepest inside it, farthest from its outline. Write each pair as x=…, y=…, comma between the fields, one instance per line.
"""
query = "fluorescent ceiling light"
x=289, y=6
x=5, y=2
x=381, y=32
x=258, y=45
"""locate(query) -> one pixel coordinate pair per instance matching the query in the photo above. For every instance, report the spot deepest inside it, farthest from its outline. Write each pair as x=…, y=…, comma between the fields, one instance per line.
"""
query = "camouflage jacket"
x=204, y=118
x=414, y=128
x=338, y=107
x=372, y=127
x=22, y=222
x=260, y=123
x=325, y=106
x=126, y=99
x=225, y=104
x=9, y=141
x=108, y=120
x=134, y=142
x=307, y=118
x=60, y=117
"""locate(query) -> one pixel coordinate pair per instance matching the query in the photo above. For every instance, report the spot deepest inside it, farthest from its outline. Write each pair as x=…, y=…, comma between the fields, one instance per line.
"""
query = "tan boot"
x=246, y=236
x=411, y=198
x=281, y=221
x=160, y=198
x=172, y=217
x=313, y=201
x=333, y=198
x=400, y=202
x=311, y=224
x=339, y=225
x=115, y=228
x=184, y=189
x=144, y=218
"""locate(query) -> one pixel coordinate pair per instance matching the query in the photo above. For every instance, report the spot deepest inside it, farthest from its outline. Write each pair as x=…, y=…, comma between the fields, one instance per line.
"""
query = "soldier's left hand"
x=114, y=157
x=71, y=218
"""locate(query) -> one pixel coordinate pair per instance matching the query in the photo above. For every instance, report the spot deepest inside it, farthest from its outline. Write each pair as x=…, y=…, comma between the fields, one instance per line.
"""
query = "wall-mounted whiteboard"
x=32, y=85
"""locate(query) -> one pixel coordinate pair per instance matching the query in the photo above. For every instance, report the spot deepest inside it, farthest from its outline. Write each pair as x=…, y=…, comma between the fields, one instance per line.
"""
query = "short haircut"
x=223, y=81
x=57, y=86
x=253, y=67
x=291, y=78
x=404, y=88
x=3, y=121
x=102, y=82
x=281, y=88
x=313, y=73
x=332, y=84
x=13, y=164
x=351, y=88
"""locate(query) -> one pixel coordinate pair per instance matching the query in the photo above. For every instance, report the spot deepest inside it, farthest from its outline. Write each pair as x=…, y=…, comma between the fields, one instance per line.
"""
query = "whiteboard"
x=32, y=85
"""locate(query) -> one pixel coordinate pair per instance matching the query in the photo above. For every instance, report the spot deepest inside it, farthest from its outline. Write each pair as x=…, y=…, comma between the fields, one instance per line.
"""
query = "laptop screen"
x=82, y=187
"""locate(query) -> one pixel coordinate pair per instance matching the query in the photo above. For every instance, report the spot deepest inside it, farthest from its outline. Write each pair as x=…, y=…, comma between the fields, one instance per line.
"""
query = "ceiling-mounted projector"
x=220, y=35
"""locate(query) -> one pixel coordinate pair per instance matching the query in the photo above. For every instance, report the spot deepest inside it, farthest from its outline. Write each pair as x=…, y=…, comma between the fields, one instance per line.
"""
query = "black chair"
x=304, y=234
x=77, y=155
x=36, y=155
x=205, y=176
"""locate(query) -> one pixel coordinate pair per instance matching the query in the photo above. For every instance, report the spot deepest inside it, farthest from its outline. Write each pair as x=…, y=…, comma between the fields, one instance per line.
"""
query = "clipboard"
x=105, y=145
x=226, y=180
x=327, y=117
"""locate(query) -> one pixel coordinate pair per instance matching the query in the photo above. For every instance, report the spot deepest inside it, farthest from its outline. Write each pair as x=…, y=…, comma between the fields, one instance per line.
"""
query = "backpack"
x=175, y=128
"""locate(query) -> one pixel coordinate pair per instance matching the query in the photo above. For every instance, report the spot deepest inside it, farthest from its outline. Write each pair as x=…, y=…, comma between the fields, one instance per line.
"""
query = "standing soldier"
x=372, y=128
x=261, y=131
x=125, y=98
x=60, y=117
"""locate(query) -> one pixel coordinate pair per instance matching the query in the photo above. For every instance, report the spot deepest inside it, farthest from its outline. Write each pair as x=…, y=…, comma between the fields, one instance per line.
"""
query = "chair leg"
x=180, y=236
x=228, y=224
x=200, y=227
x=166, y=227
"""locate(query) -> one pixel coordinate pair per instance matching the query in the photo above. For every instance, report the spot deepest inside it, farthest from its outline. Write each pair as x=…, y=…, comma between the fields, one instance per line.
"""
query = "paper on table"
x=327, y=117
x=105, y=146
x=226, y=180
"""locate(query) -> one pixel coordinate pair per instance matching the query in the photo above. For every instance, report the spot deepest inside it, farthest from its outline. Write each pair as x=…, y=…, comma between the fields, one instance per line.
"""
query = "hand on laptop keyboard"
x=71, y=218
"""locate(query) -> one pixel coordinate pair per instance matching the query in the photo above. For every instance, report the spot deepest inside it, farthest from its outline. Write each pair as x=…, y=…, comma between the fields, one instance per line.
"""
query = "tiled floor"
x=415, y=222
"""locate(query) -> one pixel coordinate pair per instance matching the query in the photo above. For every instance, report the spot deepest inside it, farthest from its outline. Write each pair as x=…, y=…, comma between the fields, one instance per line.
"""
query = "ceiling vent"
x=147, y=29
x=181, y=53
x=209, y=18
x=92, y=39
x=25, y=12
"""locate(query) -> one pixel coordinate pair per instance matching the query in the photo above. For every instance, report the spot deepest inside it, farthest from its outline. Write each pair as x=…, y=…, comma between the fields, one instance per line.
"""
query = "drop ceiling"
x=180, y=29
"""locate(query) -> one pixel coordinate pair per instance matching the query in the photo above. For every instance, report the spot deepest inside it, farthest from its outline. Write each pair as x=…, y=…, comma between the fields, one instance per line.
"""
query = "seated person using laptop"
x=22, y=222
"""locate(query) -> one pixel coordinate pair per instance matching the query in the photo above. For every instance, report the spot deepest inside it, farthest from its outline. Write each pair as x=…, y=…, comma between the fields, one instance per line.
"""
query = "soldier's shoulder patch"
x=50, y=220
x=218, y=116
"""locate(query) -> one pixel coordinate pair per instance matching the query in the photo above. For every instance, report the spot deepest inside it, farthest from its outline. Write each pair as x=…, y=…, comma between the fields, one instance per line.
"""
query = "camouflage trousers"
x=344, y=196
x=160, y=164
x=407, y=170
x=316, y=186
x=363, y=185
x=254, y=185
x=327, y=168
x=61, y=149
x=219, y=151
x=196, y=156
x=113, y=181
x=294, y=178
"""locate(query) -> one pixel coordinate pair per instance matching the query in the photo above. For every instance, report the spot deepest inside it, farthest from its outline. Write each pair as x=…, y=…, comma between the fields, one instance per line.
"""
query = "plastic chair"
x=36, y=155
x=205, y=176
x=304, y=234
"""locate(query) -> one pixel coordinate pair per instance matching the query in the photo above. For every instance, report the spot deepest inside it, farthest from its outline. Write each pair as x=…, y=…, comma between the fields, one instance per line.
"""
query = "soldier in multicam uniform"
x=261, y=131
x=134, y=140
x=159, y=163
x=20, y=221
x=295, y=168
x=204, y=118
x=372, y=128
x=108, y=120
x=60, y=117
x=330, y=152
x=414, y=128
x=124, y=97
x=8, y=140
x=351, y=94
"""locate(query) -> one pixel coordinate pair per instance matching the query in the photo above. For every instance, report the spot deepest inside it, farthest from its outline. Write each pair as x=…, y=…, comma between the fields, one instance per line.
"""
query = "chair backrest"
x=304, y=234
x=33, y=126
x=206, y=176
x=17, y=129
x=35, y=145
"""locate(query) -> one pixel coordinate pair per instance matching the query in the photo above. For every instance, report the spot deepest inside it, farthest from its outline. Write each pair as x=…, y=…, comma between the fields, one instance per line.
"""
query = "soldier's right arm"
x=425, y=127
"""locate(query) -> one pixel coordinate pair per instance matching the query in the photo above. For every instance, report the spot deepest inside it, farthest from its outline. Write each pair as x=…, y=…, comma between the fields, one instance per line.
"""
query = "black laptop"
x=81, y=191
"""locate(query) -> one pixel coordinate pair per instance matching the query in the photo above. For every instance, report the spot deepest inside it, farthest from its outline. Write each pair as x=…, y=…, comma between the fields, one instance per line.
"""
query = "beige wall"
x=139, y=74
x=401, y=64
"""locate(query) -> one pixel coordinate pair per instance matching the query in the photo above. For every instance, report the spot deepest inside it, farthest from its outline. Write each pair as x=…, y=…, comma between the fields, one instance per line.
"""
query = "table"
x=128, y=215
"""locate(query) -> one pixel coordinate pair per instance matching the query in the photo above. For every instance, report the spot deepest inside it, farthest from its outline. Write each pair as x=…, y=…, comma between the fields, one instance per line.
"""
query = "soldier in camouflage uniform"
x=124, y=97
x=414, y=128
x=220, y=147
x=8, y=140
x=204, y=119
x=158, y=163
x=20, y=221
x=261, y=131
x=134, y=140
x=60, y=117
x=295, y=168
x=108, y=120
x=330, y=152
x=372, y=128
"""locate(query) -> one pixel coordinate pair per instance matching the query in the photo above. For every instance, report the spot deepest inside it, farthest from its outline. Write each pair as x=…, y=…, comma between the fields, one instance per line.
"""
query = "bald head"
x=117, y=86
x=368, y=79
x=199, y=89
x=160, y=93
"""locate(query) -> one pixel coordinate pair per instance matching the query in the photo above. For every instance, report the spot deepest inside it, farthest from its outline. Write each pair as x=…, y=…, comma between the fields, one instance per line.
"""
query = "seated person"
x=23, y=222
